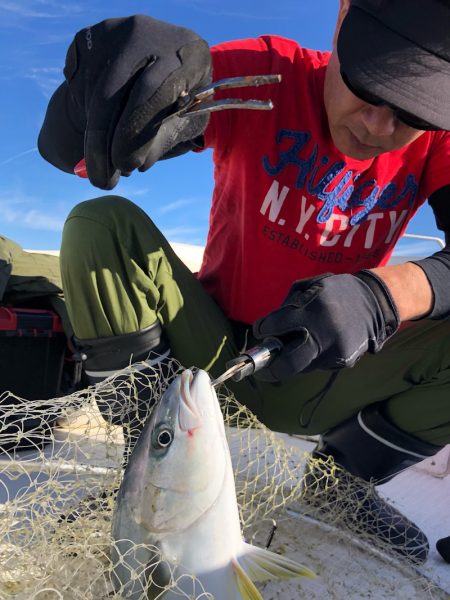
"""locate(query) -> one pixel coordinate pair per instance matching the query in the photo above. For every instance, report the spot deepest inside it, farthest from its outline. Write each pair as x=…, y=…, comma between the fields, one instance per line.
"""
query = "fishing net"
x=57, y=496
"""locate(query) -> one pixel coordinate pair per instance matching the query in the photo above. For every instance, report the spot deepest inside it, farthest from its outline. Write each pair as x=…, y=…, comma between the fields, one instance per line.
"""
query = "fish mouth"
x=189, y=414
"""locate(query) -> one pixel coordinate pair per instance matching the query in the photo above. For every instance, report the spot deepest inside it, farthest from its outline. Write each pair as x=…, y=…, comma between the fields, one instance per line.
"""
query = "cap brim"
x=393, y=68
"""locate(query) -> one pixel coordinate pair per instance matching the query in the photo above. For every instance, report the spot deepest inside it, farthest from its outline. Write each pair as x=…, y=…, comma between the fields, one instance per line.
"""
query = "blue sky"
x=35, y=197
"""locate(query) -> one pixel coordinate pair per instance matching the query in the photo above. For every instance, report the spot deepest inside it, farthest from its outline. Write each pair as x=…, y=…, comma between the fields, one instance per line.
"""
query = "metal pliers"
x=201, y=101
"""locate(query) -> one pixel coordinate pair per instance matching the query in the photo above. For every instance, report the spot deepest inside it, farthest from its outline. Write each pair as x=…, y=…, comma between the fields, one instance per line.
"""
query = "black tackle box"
x=32, y=350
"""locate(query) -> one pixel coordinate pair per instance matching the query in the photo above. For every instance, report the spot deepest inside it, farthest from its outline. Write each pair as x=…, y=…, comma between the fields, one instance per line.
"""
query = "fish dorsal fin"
x=261, y=565
x=245, y=585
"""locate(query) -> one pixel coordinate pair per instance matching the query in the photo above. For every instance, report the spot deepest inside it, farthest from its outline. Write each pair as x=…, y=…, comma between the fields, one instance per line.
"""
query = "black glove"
x=328, y=322
x=123, y=78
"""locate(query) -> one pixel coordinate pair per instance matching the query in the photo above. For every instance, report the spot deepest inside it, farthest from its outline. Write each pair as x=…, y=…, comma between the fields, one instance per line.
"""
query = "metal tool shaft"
x=250, y=361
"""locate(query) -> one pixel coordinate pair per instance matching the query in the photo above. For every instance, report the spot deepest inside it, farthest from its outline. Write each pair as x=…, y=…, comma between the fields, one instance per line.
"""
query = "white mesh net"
x=57, y=497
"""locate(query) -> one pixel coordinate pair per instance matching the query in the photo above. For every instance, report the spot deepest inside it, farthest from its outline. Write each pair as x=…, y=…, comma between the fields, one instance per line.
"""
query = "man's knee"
x=90, y=229
x=101, y=208
x=105, y=218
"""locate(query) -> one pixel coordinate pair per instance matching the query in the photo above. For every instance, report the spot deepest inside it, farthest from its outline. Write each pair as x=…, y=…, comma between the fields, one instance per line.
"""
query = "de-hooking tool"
x=250, y=361
x=202, y=101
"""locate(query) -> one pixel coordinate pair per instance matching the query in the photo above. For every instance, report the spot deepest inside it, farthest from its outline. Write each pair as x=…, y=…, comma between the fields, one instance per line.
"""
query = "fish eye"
x=164, y=438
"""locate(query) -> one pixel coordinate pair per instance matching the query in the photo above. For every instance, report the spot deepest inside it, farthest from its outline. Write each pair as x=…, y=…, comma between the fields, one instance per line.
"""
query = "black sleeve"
x=437, y=266
x=440, y=203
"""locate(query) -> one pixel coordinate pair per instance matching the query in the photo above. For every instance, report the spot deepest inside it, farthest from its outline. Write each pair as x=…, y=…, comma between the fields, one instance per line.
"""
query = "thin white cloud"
x=46, y=78
x=216, y=9
x=13, y=198
x=55, y=38
x=128, y=190
x=176, y=205
x=138, y=193
x=14, y=211
x=187, y=235
x=33, y=219
x=411, y=248
x=17, y=156
x=38, y=9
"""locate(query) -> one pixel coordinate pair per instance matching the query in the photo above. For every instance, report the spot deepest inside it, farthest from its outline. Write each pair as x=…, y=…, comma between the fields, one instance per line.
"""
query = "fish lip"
x=189, y=416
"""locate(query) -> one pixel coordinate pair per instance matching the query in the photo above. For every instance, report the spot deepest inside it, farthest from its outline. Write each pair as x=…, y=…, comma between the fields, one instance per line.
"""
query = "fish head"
x=187, y=456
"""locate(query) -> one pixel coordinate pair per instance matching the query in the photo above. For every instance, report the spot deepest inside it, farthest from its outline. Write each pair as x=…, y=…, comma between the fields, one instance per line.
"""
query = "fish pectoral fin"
x=246, y=587
x=261, y=565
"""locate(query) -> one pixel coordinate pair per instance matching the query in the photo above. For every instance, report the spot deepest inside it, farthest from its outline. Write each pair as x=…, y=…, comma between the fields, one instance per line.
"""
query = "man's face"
x=358, y=129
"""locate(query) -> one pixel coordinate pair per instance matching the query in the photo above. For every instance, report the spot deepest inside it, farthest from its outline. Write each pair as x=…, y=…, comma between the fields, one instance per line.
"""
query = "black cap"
x=399, y=50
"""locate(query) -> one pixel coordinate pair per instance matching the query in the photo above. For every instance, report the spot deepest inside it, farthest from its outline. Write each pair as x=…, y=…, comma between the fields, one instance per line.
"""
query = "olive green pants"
x=120, y=275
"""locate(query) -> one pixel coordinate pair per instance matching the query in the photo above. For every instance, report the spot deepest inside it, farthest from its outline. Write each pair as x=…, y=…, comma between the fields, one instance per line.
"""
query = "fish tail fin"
x=245, y=585
x=261, y=565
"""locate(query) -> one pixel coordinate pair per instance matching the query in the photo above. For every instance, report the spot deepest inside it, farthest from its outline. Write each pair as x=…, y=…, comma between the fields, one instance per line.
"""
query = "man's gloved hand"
x=123, y=77
x=328, y=322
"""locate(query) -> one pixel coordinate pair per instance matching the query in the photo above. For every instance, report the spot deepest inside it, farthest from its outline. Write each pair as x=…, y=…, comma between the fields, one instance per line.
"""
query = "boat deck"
x=348, y=569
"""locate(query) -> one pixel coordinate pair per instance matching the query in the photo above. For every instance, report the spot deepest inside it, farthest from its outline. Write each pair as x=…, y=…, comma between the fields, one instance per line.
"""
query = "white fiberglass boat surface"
x=348, y=567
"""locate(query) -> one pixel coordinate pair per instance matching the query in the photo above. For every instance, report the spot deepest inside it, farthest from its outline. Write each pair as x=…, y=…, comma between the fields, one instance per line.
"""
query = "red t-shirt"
x=287, y=204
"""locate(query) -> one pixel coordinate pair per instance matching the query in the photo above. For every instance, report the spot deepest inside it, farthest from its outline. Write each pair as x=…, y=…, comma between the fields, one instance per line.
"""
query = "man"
x=310, y=199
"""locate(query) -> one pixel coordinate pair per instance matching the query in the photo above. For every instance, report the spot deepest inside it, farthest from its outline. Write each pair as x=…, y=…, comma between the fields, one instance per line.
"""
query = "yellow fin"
x=245, y=585
x=261, y=565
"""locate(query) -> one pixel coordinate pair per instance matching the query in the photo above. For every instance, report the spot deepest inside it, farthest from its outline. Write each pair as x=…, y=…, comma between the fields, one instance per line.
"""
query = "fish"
x=176, y=518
